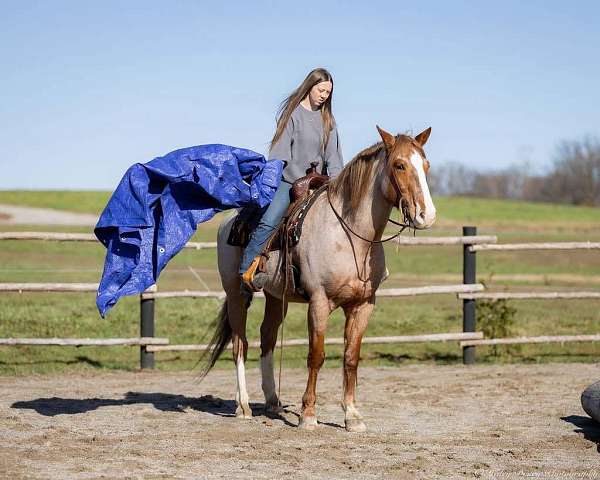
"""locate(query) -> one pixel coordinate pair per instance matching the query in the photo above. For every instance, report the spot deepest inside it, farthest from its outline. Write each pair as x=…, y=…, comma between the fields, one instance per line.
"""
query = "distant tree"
x=575, y=176
x=489, y=184
x=451, y=179
x=532, y=186
x=508, y=182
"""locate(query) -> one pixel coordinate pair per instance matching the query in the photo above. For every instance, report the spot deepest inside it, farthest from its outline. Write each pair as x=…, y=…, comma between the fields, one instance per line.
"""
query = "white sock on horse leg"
x=241, y=394
x=268, y=377
x=351, y=411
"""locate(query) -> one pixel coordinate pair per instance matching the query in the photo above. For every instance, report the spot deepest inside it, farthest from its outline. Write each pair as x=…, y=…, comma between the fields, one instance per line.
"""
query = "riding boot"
x=252, y=278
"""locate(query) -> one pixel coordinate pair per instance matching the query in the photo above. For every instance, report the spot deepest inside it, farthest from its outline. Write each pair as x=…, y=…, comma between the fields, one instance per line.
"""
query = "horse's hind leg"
x=238, y=310
x=268, y=340
x=318, y=313
x=357, y=318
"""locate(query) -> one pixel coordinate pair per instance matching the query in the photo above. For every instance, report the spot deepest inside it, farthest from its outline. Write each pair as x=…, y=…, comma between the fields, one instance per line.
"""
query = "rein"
x=347, y=227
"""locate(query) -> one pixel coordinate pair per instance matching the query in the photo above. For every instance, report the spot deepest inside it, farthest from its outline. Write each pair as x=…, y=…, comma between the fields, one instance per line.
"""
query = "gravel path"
x=424, y=421
x=15, y=215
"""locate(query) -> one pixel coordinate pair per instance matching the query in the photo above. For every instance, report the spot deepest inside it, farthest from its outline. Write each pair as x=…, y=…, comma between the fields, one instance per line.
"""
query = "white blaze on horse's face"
x=406, y=167
x=424, y=218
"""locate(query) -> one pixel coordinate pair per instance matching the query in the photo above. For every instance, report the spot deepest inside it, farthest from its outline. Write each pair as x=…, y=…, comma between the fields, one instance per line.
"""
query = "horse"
x=341, y=262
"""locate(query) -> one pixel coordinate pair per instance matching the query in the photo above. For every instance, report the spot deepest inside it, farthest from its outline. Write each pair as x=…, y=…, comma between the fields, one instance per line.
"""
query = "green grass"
x=451, y=210
x=188, y=320
x=73, y=200
x=507, y=213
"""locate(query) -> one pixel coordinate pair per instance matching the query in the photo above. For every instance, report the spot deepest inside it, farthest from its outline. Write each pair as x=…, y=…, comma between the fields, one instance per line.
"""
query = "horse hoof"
x=355, y=425
x=308, y=423
x=273, y=408
x=241, y=412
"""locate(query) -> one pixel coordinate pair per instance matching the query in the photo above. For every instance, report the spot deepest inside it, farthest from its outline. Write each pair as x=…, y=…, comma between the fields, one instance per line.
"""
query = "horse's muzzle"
x=423, y=219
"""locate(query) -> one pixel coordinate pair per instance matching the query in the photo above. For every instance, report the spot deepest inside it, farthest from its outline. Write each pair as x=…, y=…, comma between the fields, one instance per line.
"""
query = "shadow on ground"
x=164, y=402
x=441, y=358
x=590, y=428
x=76, y=360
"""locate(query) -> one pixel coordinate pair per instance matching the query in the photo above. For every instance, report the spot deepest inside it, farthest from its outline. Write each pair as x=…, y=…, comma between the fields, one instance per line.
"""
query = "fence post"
x=146, y=330
x=469, y=276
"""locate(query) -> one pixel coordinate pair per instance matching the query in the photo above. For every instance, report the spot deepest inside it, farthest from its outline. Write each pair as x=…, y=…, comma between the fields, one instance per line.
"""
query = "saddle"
x=301, y=199
x=303, y=194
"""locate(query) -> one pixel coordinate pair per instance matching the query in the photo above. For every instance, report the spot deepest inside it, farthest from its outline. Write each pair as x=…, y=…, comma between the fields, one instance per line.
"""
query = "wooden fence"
x=469, y=299
x=469, y=291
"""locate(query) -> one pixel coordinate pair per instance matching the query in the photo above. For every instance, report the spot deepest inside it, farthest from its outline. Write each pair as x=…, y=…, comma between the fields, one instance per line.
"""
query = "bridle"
x=347, y=227
x=403, y=226
x=406, y=224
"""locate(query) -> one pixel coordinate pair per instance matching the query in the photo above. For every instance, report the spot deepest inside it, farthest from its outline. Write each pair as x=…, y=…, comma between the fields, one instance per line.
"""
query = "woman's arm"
x=333, y=154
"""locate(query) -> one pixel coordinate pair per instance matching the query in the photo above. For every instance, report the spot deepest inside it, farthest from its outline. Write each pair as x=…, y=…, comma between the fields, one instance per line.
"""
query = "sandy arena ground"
x=425, y=421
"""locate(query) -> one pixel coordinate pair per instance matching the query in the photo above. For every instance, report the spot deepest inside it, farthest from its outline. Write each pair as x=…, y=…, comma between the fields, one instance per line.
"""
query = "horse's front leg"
x=318, y=313
x=357, y=318
x=238, y=311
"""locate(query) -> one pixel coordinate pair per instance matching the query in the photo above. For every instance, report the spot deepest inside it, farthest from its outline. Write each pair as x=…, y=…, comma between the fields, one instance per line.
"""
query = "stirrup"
x=248, y=275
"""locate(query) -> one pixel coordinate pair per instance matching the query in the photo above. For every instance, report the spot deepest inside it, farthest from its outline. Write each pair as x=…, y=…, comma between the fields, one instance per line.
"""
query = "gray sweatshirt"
x=300, y=144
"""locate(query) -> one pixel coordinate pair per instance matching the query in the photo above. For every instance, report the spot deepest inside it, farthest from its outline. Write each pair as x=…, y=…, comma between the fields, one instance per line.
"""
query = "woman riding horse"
x=341, y=262
x=305, y=133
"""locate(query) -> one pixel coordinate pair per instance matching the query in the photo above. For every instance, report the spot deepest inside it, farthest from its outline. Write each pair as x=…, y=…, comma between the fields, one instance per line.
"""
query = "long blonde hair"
x=286, y=108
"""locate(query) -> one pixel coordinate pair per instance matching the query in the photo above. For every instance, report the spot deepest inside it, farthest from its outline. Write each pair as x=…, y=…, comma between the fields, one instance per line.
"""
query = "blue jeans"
x=268, y=223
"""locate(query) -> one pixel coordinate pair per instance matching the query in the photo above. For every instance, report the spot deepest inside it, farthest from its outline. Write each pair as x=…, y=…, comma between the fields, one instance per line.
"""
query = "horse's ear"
x=388, y=139
x=422, y=137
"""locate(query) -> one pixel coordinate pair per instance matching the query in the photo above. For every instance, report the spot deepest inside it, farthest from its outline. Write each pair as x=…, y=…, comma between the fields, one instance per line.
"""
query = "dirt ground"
x=424, y=421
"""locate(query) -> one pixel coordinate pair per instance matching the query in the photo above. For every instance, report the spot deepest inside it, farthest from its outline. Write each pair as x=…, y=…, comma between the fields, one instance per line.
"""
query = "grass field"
x=451, y=210
x=187, y=320
x=72, y=200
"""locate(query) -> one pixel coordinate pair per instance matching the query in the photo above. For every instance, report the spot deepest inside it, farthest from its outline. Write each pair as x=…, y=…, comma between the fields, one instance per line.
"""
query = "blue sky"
x=88, y=88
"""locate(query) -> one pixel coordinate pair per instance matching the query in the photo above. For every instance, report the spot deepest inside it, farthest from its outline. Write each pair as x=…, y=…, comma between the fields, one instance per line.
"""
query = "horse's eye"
x=400, y=166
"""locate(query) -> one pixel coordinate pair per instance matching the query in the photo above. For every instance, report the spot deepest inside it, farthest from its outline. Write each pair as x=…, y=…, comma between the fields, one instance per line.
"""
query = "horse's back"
x=228, y=256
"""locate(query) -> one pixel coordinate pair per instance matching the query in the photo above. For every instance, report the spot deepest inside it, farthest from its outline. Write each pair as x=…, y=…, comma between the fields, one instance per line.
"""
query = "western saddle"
x=303, y=194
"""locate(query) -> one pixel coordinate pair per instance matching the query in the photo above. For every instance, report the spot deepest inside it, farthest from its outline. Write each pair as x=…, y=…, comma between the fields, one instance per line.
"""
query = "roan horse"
x=341, y=265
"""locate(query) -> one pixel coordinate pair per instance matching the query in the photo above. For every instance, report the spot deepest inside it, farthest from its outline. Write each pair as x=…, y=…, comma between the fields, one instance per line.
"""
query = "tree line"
x=574, y=178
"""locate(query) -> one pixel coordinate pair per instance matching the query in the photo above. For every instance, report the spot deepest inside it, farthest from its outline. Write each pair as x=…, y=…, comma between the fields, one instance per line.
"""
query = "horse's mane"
x=352, y=184
x=355, y=178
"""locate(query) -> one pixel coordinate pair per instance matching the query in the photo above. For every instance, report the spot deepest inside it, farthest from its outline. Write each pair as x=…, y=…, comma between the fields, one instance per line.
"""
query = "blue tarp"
x=157, y=205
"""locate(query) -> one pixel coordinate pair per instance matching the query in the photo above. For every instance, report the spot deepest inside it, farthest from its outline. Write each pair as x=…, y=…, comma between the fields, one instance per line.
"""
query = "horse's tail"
x=219, y=341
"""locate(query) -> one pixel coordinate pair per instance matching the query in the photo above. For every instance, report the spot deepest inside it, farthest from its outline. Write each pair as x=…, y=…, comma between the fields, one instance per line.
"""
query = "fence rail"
x=54, y=236
x=542, y=339
x=79, y=237
x=469, y=291
x=471, y=240
x=535, y=246
x=432, y=337
x=382, y=292
x=48, y=287
x=529, y=295
x=90, y=237
x=81, y=342
x=54, y=287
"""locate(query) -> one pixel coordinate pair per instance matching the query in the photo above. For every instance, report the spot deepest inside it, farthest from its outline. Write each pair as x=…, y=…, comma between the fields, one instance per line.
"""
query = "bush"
x=495, y=318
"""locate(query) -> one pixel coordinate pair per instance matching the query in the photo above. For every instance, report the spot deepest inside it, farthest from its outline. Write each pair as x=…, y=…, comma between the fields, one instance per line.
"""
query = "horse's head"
x=406, y=167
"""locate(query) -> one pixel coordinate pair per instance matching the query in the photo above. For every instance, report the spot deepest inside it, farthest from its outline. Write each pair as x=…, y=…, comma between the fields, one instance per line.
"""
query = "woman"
x=305, y=133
